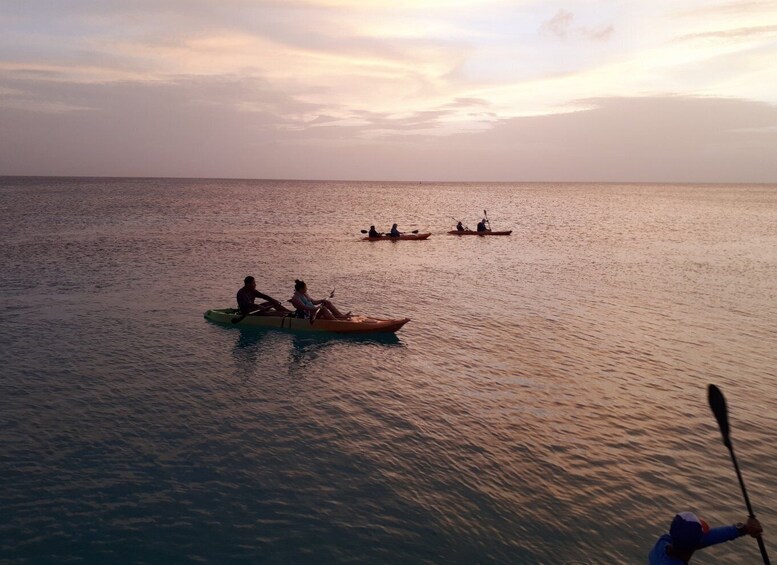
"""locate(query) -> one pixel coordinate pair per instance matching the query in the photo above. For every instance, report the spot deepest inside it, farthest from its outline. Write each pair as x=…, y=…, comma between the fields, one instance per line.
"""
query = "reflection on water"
x=253, y=344
x=316, y=340
x=546, y=404
x=250, y=338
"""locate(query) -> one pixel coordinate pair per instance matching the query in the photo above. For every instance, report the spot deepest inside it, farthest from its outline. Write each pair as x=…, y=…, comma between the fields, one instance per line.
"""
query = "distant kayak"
x=471, y=232
x=356, y=324
x=403, y=236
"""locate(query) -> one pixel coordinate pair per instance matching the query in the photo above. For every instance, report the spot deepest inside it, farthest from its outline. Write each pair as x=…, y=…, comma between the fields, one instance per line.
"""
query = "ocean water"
x=546, y=404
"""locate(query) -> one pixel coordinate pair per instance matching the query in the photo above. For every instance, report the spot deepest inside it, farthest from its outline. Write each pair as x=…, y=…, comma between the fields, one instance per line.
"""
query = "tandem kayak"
x=471, y=232
x=403, y=236
x=356, y=324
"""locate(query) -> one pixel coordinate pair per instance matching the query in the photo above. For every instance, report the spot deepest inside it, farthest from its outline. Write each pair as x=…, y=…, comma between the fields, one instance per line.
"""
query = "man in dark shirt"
x=482, y=225
x=246, y=296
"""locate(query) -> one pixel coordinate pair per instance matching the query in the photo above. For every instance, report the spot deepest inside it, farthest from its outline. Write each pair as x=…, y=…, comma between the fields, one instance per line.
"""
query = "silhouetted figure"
x=688, y=533
x=247, y=295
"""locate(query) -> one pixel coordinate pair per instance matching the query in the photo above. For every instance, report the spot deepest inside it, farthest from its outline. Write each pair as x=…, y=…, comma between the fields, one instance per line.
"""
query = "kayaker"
x=394, y=231
x=687, y=533
x=247, y=295
x=482, y=225
x=311, y=309
x=460, y=226
x=373, y=232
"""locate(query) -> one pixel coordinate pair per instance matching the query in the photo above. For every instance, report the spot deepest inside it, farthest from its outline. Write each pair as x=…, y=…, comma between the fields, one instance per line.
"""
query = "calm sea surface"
x=546, y=404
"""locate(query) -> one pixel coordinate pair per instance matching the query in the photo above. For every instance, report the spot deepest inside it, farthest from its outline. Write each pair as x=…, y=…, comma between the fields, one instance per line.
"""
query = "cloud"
x=733, y=33
x=464, y=102
x=729, y=9
x=199, y=126
x=559, y=24
x=648, y=139
x=598, y=34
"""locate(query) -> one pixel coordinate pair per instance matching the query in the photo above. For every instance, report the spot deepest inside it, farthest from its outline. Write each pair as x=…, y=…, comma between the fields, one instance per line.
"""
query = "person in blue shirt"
x=687, y=533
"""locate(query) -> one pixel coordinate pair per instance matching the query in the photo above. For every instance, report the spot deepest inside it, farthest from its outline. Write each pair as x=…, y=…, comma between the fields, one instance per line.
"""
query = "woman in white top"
x=312, y=309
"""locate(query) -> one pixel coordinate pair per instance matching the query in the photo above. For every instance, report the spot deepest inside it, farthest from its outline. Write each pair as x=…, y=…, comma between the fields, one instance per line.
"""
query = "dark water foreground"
x=546, y=404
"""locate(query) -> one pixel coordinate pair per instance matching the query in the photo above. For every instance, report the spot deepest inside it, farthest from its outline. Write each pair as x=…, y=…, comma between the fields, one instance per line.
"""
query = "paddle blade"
x=364, y=231
x=718, y=406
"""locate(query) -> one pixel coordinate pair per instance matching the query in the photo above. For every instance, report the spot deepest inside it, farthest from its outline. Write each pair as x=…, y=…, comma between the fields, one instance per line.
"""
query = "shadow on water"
x=389, y=339
x=250, y=337
x=251, y=342
x=259, y=351
x=305, y=347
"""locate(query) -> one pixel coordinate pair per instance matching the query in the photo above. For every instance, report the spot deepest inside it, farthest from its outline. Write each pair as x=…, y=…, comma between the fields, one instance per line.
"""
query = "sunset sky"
x=490, y=90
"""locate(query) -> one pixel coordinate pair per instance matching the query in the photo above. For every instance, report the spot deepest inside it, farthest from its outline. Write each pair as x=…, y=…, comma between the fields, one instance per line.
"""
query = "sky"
x=424, y=90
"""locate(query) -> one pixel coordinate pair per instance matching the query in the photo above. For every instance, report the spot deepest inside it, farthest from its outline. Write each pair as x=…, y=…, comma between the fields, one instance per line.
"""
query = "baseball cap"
x=687, y=530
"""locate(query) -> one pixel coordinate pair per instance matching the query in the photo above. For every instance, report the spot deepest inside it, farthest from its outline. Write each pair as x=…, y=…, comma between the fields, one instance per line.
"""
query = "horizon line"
x=608, y=182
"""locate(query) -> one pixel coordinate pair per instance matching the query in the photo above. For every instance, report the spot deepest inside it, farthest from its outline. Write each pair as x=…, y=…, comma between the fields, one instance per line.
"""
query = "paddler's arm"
x=727, y=533
x=267, y=298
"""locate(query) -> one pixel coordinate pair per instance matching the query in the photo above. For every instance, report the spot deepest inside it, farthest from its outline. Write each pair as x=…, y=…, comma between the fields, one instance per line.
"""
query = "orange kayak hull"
x=404, y=236
x=356, y=324
x=481, y=233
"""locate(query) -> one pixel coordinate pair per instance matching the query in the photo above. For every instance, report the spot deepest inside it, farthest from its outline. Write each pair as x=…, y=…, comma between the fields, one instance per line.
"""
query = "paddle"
x=239, y=318
x=487, y=220
x=718, y=406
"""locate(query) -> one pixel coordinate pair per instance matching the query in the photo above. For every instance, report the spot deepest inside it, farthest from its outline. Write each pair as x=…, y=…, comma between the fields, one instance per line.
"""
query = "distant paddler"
x=482, y=225
x=394, y=234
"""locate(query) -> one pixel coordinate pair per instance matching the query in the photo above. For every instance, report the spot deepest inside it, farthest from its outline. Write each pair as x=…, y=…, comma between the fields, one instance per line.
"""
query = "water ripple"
x=546, y=403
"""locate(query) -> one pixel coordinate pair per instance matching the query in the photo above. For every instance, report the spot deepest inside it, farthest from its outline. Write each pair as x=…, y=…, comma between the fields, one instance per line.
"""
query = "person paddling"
x=247, y=295
x=460, y=226
x=373, y=232
x=687, y=533
x=310, y=309
x=394, y=231
x=482, y=225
